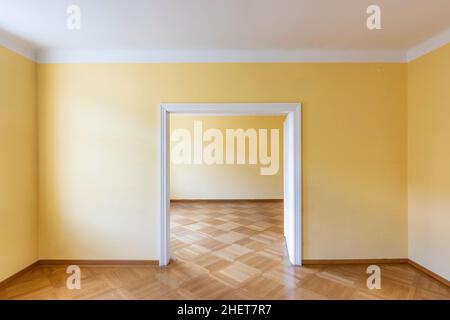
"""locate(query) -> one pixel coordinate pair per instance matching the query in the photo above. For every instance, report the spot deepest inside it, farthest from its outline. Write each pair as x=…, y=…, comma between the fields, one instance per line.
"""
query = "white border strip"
x=27, y=50
x=212, y=56
x=230, y=109
x=427, y=46
x=164, y=203
x=17, y=45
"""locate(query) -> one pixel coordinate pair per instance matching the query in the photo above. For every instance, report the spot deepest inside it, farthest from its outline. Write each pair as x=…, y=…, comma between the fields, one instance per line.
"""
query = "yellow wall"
x=238, y=181
x=98, y=127
x=429, y=160
x=18, y=163
x=98, y=154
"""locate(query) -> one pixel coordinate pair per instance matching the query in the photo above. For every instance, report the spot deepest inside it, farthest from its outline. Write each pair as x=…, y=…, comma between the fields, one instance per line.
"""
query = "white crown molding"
x=174, y=56
x=438, y=40
x=17, y=45
x=27, y=50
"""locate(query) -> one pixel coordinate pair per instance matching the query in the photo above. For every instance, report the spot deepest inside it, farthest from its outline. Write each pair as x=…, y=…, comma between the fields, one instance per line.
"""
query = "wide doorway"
x=225, y=229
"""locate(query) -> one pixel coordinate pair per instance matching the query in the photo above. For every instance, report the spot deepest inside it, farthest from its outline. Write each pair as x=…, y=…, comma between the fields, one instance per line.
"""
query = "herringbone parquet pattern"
x=226, y=250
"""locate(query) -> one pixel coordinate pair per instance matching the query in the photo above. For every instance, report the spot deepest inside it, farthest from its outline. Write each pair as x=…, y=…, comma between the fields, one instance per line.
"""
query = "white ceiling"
x=246, y=28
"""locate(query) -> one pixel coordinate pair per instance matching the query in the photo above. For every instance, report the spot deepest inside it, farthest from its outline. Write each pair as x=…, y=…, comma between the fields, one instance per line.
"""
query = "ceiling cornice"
x=17, y=45
x=197, y=56
x=212, y=56
x=438, y=40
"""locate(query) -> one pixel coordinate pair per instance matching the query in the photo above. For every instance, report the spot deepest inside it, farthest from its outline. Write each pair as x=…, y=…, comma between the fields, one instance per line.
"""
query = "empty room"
x=186, y=151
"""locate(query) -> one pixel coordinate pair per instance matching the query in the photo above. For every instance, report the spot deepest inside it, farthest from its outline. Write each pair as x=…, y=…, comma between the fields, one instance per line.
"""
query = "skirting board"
x=308, y=262
x=429, y=272
x=53, y=262
x=18, y=274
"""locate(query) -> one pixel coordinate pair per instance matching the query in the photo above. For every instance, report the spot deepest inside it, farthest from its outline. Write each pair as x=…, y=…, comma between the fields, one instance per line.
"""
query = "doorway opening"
x=291, y=179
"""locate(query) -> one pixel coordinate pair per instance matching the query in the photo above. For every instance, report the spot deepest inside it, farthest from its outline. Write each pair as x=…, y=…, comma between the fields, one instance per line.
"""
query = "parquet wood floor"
x=226, y=250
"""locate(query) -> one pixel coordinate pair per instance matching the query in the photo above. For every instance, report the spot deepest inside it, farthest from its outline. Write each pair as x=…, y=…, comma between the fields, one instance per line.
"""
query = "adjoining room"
x=226, y=212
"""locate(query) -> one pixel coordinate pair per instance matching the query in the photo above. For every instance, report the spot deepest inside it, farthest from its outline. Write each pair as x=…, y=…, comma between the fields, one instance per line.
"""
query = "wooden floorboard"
x=226, y=250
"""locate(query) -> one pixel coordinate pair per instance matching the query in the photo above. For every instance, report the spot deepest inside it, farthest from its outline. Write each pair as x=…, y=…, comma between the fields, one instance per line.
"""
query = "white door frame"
x=228, y=109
